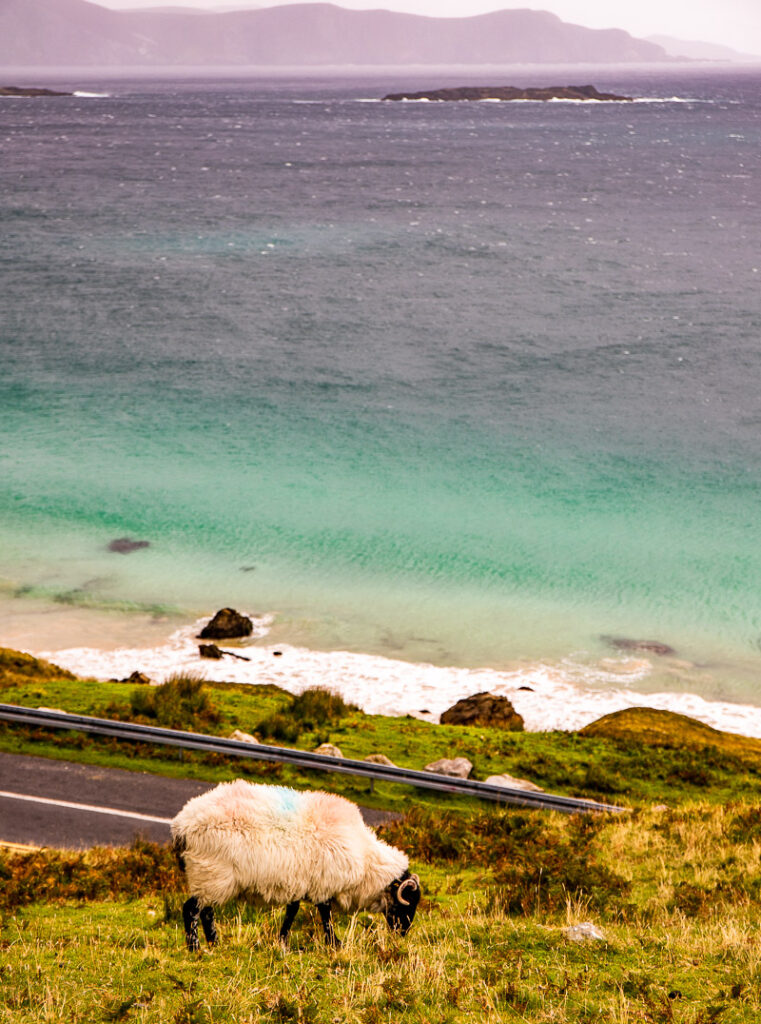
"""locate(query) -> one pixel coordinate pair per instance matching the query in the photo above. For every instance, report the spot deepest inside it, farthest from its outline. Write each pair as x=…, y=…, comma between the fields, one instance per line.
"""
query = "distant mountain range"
x=49, y=33
x=695, y=50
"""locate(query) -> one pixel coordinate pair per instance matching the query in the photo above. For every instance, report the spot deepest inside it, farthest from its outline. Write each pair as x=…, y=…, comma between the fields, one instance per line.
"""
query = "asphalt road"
x=44, y=802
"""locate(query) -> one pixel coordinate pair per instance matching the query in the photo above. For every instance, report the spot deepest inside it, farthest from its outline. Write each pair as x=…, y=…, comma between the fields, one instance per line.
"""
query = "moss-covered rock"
x=652, y=727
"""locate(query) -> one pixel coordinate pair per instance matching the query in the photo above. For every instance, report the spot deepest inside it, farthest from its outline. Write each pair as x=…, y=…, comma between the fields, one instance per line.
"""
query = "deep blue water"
x=463, y=381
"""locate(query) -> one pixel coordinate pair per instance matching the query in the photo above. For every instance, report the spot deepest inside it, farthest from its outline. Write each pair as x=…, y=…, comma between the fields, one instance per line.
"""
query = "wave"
x=92, y=95
x=556, y=99
x=669, y=99
x=564, y=695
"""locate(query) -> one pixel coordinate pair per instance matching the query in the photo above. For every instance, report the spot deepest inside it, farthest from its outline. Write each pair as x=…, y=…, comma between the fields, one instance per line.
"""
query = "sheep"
x=279, y=846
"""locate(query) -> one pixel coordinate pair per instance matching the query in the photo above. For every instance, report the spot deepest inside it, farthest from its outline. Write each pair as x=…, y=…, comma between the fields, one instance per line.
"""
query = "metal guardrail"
x=302, y=758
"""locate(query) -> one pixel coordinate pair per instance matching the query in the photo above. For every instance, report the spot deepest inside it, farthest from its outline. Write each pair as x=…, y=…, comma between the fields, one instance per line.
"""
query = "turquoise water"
x=458, y=383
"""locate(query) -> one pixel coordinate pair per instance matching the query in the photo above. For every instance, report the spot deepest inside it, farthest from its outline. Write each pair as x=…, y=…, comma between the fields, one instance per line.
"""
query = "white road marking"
x=18, y=847
x=84, y=807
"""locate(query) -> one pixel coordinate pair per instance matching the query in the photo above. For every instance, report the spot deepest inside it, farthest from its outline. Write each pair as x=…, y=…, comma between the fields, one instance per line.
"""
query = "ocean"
x=447, y=395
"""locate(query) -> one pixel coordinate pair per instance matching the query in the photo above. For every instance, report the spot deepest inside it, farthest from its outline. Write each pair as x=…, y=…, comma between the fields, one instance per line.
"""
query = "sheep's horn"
x=413, y=881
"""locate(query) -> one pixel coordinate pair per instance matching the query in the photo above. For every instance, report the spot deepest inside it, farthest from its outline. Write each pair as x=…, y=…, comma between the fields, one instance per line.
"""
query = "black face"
x=403, y=898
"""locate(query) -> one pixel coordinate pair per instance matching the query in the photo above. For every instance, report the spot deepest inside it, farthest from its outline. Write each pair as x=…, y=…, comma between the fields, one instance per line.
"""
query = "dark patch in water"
x=126, y=545
x=622, y=643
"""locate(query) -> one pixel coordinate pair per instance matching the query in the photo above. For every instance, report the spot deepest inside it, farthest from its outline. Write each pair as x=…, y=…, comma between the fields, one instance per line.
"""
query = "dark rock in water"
x=528, y=689
x=210, y=651
x=248, y=568
x=484, y=709
x=227, y=623
x=510, y=92
x=15, y=90
x=623, y=643
x=126, y=545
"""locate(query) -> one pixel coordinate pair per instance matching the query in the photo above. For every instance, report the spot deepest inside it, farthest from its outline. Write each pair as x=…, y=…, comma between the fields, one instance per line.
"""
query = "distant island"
x=510, y=92
x=16, y=90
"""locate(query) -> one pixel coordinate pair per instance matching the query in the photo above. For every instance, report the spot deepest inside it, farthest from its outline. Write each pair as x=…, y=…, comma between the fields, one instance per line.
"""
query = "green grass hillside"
x=97, y=936
x=674, y=886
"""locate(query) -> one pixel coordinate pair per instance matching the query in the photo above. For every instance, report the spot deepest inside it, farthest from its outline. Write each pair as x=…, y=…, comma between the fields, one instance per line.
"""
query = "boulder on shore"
x=456, y=767
x=485, y=709
x=210, y=651
x=137, y=678
x=328, y=749
x=379, y=759
x=654, y=727
x=511, y=782
x=243, y=737
x=227, y=623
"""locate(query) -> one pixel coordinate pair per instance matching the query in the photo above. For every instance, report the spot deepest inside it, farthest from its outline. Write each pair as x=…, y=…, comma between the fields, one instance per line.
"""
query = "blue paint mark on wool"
x=286, y=801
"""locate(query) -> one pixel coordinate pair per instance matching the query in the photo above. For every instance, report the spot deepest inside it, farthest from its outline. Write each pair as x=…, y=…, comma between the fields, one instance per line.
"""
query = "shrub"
x=319, y=706
x=182, y=702
x=534, y=862
x=311, y=710
x=51, y=875
x=279, y=727
x=746, y=826
x=695, y=900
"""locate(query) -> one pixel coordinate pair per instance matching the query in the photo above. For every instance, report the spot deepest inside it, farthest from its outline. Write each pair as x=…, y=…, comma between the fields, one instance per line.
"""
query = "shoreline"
x=561, y=694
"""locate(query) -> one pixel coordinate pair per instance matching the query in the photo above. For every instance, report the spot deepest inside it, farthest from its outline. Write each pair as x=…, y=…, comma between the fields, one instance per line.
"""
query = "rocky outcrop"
x=329, y=750
x=456, y=767
x=243, y=737
x=126, y=545
x=137, y=679
x=658, y=728
x=510, y=92
x=210, y=651
x=379, y=759
x=16, y=90
x=584, y=932
x=643, y=727
x=510, y=782
x=215, y=653
x=484, y=709
x=227, y=623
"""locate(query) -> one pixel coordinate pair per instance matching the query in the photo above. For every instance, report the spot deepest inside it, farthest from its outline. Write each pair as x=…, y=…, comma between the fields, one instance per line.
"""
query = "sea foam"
x=563, y=695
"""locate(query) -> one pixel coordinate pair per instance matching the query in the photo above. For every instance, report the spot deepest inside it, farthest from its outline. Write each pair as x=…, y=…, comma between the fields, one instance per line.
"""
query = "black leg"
x=327, y=924
x=290, y=914
x=190, y=912
x=209, y=928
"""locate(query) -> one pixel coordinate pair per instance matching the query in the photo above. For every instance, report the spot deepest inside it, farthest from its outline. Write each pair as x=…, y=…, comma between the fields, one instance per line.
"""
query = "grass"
x=676, y=890
x=468, y=957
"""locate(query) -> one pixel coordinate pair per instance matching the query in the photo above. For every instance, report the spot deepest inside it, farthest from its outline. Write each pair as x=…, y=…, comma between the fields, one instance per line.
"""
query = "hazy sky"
x=735, y=23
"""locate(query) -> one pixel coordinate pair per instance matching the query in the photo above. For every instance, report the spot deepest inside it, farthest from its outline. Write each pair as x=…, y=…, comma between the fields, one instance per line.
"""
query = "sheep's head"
x=400, y=902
